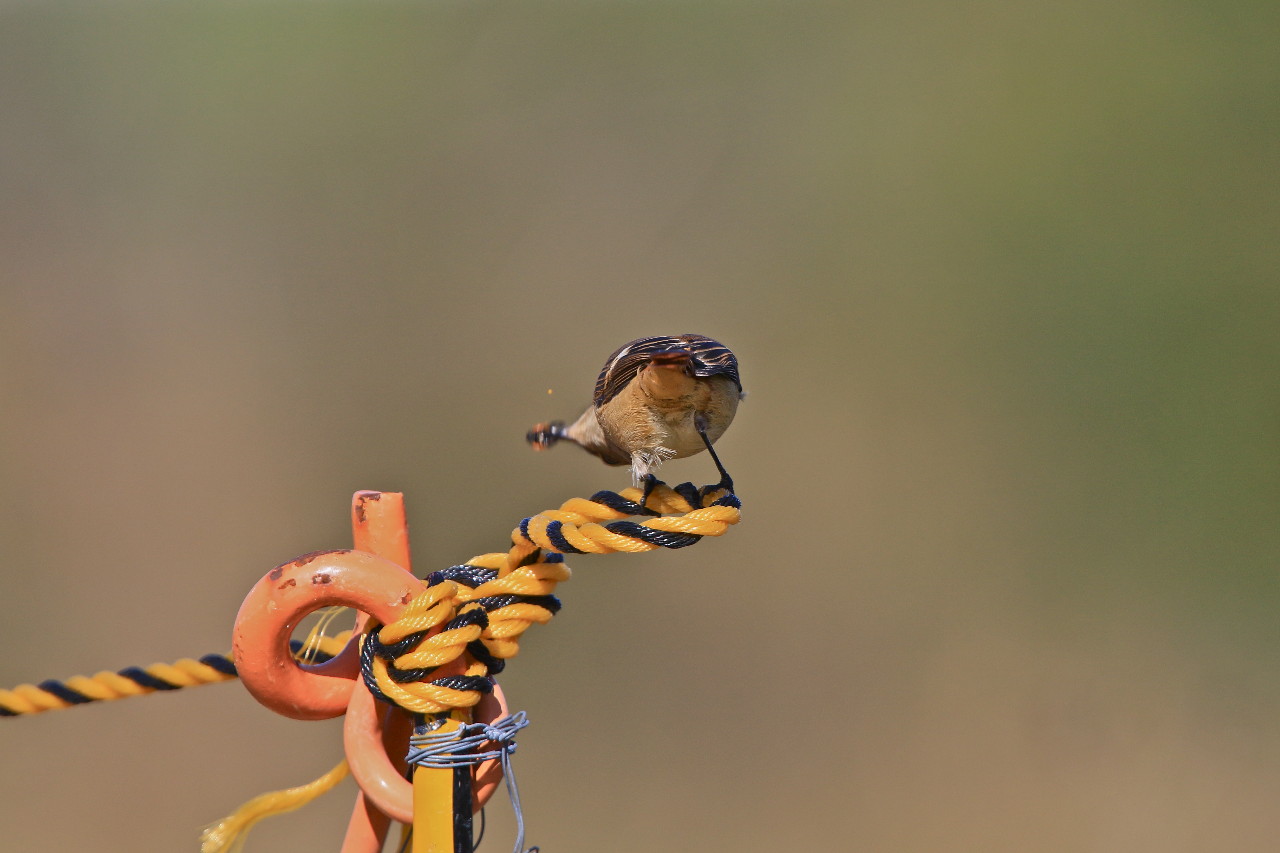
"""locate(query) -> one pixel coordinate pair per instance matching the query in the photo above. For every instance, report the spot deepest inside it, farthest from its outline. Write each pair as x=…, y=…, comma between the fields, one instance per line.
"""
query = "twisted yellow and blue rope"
x=54, y=694
x=484, y=605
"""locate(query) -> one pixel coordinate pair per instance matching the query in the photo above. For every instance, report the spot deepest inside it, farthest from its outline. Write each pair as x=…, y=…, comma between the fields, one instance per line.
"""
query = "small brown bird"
x=656, y=399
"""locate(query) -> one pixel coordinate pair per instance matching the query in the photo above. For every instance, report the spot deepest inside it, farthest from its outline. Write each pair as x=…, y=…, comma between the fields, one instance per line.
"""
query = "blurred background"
x=1002, y=279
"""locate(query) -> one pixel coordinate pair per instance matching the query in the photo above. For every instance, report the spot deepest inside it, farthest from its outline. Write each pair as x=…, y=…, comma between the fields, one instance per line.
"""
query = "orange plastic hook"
x=265, y=624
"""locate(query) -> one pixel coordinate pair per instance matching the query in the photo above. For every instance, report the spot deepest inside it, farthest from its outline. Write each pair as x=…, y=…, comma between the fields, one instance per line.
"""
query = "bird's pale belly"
x=678, y=434
x=667, y=427
x=677, y=429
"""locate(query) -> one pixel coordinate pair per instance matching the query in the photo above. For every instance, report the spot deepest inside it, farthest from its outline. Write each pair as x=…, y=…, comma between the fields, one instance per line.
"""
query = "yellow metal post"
x=433, y=826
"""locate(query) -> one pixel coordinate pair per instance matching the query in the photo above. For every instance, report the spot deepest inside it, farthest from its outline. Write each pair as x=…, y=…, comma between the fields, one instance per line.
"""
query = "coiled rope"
x=481, y=608
x=487, y=603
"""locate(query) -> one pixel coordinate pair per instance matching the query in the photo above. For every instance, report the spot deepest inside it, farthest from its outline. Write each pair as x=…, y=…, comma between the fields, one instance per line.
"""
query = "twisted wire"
x=471, y=744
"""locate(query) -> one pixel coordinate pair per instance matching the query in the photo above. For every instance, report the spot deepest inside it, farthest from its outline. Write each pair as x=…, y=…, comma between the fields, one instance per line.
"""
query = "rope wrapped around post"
x=439, y=652
x=487, y=603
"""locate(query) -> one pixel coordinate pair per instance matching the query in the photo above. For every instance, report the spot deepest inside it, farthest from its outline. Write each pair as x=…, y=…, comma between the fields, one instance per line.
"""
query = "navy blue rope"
x=618, y=503
x=665, y=538
x=226, y=665
x=557, y=539
x=65, y=693
x=373, y=646
x=469, y=575
x=141, y=677
x=366, y=667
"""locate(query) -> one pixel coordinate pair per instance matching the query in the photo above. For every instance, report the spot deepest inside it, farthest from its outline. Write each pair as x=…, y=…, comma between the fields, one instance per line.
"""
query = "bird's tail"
x=542, y=436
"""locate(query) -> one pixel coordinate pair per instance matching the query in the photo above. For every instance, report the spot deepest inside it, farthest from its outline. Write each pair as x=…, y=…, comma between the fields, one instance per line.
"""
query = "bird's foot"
x=650, y=483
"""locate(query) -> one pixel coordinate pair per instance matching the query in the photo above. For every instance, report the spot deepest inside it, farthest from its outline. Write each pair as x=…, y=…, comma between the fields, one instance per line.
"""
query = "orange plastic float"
x=375, y=580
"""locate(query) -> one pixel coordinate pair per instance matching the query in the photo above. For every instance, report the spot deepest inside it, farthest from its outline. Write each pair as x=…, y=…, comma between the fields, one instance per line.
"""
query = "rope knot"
x=497, y=735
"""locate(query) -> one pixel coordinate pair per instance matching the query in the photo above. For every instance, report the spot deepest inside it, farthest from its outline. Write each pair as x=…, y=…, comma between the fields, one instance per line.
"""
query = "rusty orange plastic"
x=379, y=526
x=375, y=580
x=378, y=777
x=283, y=597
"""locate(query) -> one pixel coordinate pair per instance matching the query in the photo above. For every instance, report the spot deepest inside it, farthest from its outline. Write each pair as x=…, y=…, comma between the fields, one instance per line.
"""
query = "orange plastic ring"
x=379, y=779
x=264, y=626
x=277, y=603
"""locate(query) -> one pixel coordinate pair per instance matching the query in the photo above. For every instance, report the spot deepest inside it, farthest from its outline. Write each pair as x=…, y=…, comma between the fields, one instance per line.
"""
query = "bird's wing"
x=712, y=358
x=709, y=358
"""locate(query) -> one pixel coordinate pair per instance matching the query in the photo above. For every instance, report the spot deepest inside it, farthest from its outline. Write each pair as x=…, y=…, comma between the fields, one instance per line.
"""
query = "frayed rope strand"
x=228, y=835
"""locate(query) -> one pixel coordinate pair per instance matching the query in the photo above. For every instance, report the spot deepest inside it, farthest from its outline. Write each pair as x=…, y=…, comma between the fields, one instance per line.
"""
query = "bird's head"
x=669, y=374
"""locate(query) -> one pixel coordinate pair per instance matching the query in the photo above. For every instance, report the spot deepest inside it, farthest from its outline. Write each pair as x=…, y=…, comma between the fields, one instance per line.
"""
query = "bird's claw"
x=650, y=483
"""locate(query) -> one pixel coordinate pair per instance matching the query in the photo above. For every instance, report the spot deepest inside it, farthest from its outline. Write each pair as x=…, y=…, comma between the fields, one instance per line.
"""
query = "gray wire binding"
x=463, y=747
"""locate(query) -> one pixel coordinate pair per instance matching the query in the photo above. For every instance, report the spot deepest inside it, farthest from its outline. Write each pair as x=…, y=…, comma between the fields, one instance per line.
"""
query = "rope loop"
x=449, y=641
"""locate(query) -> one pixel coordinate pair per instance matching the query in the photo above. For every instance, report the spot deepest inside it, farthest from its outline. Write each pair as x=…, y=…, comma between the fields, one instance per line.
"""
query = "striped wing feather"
x=710, y=358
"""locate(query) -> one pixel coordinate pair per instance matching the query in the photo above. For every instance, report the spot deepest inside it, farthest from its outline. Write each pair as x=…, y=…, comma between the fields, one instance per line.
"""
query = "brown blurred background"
x=1002, y=278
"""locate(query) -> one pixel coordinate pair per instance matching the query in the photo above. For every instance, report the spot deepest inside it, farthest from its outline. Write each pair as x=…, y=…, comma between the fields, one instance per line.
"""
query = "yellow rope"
x=580, y=519
x=496, y=613
x=229, y=833
x=530, y=568
x=579, y=522
x=108, y=686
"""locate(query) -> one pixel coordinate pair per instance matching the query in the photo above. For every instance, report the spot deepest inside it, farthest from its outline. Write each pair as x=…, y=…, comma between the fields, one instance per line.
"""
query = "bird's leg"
x=700, y=424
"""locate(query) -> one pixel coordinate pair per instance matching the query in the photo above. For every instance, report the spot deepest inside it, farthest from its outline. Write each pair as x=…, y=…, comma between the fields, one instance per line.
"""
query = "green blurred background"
x=1002, y=278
